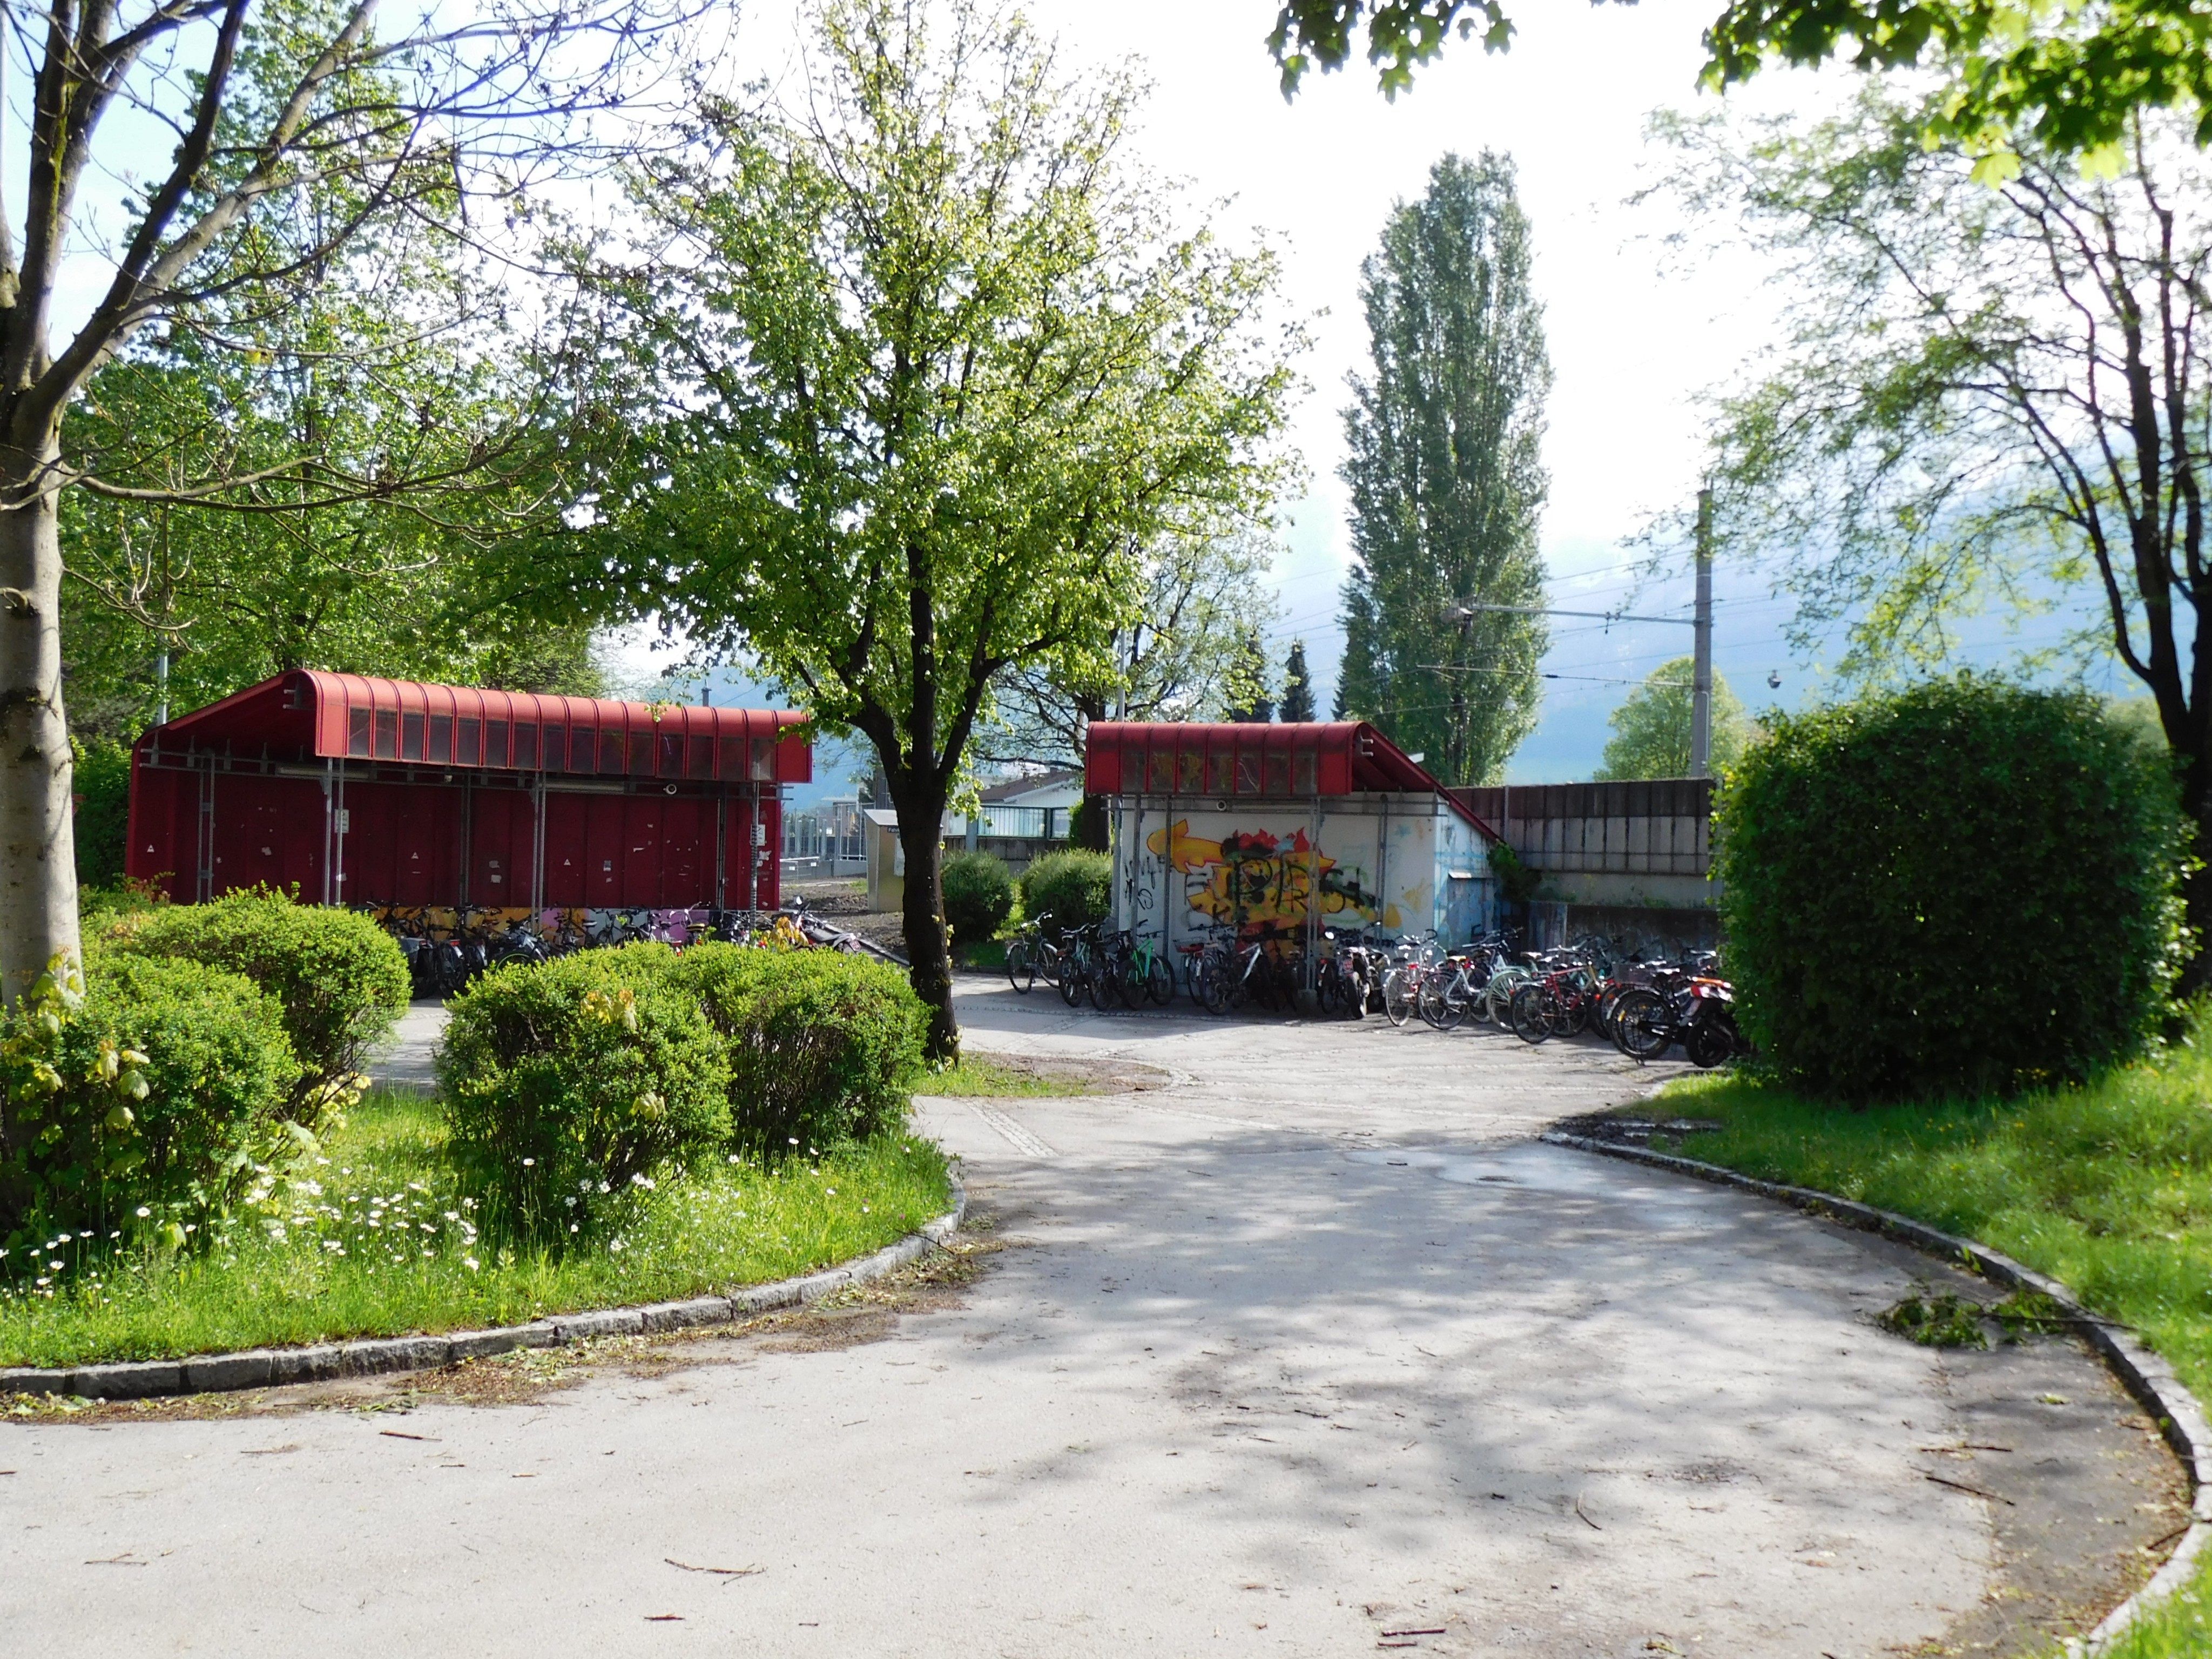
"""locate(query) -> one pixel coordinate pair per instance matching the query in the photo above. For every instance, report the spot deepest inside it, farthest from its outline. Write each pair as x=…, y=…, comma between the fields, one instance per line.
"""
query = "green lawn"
x=377, y=1242
x=2107, y=1187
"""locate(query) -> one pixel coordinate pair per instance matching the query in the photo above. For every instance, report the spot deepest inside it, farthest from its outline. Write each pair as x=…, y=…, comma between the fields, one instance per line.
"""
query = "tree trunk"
x=928, y=952
x=38, y=855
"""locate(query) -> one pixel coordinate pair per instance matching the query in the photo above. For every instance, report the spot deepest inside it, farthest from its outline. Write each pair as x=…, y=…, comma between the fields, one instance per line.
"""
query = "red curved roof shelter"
x=1278, y=762
x=357, y=790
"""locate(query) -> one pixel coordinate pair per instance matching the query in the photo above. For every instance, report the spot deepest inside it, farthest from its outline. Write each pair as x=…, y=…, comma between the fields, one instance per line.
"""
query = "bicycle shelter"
x=1283, y=829
x=397, y=793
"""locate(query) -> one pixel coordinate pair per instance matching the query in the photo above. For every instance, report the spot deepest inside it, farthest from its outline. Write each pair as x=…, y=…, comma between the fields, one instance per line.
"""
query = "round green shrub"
x=1961, y=888
x=567, y=1083
x=979, y=896
x=341, y=979
x=148, y=1103
x=1074, y=888
x=822, y=1046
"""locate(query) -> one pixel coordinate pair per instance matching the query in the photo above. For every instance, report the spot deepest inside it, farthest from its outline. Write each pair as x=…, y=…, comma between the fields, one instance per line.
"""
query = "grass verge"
x=377, y=1242
x=2107, y=1187
x=977, y=1075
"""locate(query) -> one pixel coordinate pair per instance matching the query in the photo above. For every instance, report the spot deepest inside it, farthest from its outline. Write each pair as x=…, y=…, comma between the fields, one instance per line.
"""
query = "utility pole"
x=1701, y=673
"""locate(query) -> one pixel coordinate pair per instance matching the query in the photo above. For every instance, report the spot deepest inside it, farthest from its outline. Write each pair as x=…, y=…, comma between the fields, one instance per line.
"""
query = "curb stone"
x=261, y=1368
x=2146, y=1376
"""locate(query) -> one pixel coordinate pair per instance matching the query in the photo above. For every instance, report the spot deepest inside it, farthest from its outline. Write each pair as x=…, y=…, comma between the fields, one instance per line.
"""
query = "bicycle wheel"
x=1211, y=986
x=1498, y=996
x=1159, y=981
x=1051, y=961
x=1401, y=995
x=1708, y=1044
x=1450, y=1001
x=1642, y=1027
x=1531, y=1012
x=1021, y=966
x=1071, y=981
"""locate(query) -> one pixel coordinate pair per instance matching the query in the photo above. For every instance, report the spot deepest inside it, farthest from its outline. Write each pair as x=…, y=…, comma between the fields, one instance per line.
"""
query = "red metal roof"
x=1284, y=761
x=339, y=716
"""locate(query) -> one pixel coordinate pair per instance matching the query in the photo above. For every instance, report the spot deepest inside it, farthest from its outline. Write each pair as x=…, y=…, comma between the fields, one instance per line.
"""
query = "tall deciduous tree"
x=1447, y=478
x=935, y=362
x=1985, y=398
x=1651, y=728
x=1297, y=685
x=273, y=105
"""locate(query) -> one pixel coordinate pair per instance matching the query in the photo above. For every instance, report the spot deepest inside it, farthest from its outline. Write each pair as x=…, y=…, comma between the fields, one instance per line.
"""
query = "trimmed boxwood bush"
x=565, y=1083
x=149, y=1102
x=1965, y=887
x=340, y=979
x=822, y=1046
x=979, y=896
x=1074, y=888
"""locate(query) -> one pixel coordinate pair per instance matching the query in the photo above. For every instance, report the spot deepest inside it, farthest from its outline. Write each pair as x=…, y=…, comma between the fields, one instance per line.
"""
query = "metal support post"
x=1701, y=676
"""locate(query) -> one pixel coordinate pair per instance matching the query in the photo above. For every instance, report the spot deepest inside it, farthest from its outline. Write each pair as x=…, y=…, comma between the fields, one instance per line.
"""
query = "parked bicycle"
x=1031, y=955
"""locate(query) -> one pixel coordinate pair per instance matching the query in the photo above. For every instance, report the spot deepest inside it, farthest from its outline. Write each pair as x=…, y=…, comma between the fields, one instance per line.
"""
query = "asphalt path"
x=1306, y=1347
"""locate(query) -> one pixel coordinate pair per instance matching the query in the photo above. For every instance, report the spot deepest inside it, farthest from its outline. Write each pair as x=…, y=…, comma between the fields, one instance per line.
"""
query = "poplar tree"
x=1447, y=478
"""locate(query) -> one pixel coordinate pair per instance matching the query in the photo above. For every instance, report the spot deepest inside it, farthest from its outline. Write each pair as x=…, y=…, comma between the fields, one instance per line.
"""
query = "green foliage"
x=1297, y=686
x=823, y=1047
x=1651, y=728
x=318, y=462
x=103, y=811
x=1178, y=658
x=1517, y=882
x=979, y=896
x=1074, y=887
x=1447, y=477
x=2073, y=76
x=935, y=364
x=1087, y=830
x=567, y=1085
x=1250, y=703
x=148, y=1105
x=1936, y=1320
x=1963, y=887
x=340, y=979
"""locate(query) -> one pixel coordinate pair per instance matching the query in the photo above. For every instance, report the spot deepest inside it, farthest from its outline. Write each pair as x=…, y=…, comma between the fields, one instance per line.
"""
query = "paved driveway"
x=1307, y=1348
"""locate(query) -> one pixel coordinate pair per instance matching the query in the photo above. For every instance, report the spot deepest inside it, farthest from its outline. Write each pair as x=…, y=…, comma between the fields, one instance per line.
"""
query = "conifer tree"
x=1297, y=685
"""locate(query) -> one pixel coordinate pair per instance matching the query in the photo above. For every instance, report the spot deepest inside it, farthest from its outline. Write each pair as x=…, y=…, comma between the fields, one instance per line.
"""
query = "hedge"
x=979, y=896
x=1074, y=888
x=149, y=1102
x=340, y=979
x=565, y=1084
x=1965, y=887
x=823, y=1047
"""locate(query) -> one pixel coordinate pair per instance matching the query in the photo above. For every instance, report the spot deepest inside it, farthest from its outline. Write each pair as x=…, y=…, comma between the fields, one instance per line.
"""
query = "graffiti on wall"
x=1260, y=882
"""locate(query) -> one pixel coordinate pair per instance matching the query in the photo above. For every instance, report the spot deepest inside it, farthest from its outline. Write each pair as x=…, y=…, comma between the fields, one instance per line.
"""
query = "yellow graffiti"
x=1257, y=880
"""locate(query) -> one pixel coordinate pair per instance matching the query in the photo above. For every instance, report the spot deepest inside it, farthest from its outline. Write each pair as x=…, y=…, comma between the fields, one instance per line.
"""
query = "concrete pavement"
x=1307, y=1348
